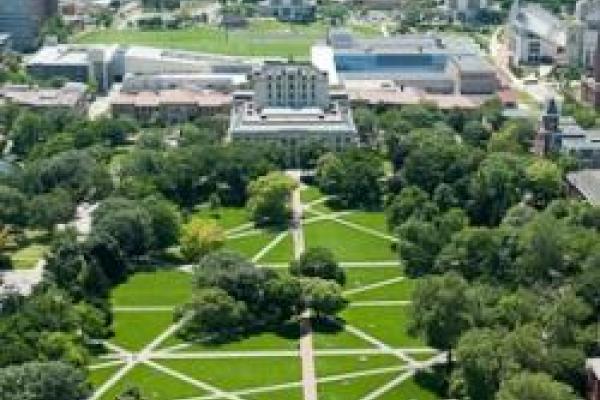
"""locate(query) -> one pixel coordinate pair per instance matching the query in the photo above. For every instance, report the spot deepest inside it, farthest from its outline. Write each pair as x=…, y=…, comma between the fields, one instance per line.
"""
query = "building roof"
x=593, y=364
x=587, y=183
x=534, y=18
x=246, y=119
x=68, y=96
x=202, y=98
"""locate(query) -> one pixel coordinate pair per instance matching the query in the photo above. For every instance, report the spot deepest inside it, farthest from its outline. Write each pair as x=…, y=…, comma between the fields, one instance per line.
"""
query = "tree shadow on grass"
x=327, y=326
x=434, y=380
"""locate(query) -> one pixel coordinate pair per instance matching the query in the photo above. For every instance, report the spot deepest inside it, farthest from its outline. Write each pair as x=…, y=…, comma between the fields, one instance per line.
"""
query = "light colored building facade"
x=105, y=65
x=593, y=369
x=23, y=19
x=535, y=35
x=289, y=10
x=428, y=62
x=538, y=36
x=72, y=97
x=292, y=105
x=170, y=106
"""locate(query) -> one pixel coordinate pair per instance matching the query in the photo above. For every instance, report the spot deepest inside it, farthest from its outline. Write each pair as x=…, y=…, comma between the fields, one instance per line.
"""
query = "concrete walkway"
x=309, y=379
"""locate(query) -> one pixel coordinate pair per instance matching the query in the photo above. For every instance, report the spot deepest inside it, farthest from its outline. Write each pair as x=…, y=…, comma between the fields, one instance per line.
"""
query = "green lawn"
x=283, y=252
x=410, y=390
x=401, y=290
x=337, y=365
x=241, y=372
x=159, y=288
x=250, y=245
x=388, y=324
x=28, y=257
x=357, y=276
x=155, y=385
x=354, y=388
x=98, y=376
x=294, y=393
x=261, y=341
x=348, y=244
x=134, y=330
x=338, y=340
x=262, y=38
x=226, y=217
x=373, y=220
x=310, y=194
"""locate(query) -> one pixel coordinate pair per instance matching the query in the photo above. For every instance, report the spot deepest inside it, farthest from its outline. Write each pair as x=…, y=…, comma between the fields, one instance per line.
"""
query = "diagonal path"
x=374, y=285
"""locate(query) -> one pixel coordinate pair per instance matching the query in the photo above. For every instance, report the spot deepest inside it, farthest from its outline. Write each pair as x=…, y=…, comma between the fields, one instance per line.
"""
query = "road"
x=540, y=92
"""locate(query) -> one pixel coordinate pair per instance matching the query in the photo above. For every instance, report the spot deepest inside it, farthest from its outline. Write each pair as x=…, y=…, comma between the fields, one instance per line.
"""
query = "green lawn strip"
x=310, y=194
x=422, y=356
x=322, y=207
x=157, y=288
x=357, y=277
x=260, y=341
x=328, y=336
x=401, y=290
x=284, y=394
x=338, y=365
x=250, y=245
x=155, y=385
x=239, y=373
x=211, y=40
x=226, y=217
x=372, y=220
x=388, y=324
x=415, y=388
x=354, y=388
x=346, y=243
x=134, y=330
x=28, y=257
x=282, y=252
x=98, y=376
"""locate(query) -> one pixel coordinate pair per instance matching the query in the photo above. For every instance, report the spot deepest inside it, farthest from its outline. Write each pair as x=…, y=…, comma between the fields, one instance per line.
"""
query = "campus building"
x=170, y=106
x=71, y=97
x=428, y=62
x=590, y=82
x=289, y=10
x=292, y=105
x=23, y=20
x=464, y=10
x=593, y=372
x=535, y=35
x=562, y=134
x=105, y=65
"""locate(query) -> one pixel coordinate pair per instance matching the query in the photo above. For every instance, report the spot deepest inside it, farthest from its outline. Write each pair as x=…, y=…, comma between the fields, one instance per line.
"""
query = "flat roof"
x=68, y=96
x=587, y=182
x=203, y=98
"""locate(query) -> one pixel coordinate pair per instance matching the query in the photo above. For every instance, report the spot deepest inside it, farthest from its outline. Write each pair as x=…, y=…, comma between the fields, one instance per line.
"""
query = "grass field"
x=348, y=244
x=147, y=289
x=353, y=362
x=261, y=38
x=28, y=257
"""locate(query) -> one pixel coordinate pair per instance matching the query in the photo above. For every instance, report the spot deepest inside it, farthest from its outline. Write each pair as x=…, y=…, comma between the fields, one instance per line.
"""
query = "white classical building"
x=292, y=105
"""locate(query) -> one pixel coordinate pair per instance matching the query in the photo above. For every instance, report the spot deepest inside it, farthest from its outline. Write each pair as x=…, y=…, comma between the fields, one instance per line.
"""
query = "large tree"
x=318, y=262
x=442, y=310
x=200, y=237
x=269, y=201
x=43, y=381
x=531, y=386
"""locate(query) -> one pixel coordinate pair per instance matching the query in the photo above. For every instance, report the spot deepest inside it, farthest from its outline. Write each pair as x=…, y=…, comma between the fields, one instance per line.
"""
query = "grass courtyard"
x=367, y=354
x=260, y=38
